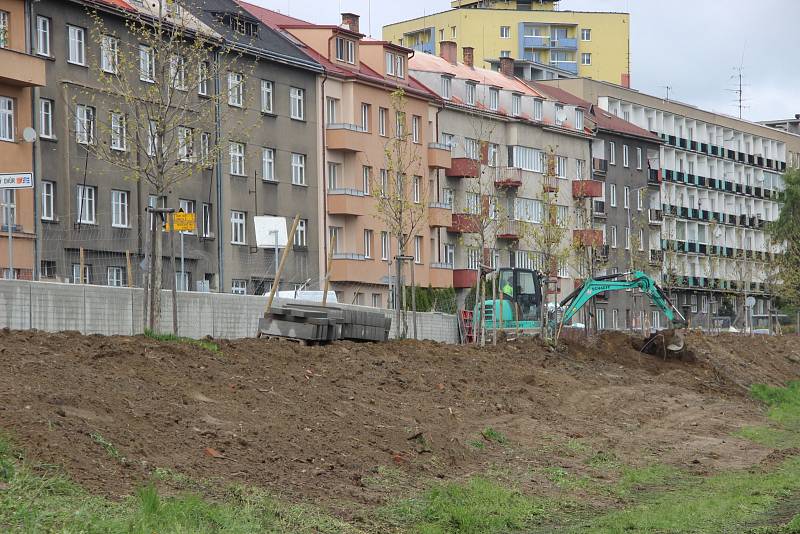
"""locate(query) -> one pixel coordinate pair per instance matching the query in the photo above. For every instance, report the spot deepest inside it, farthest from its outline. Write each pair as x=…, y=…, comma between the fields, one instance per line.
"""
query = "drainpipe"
x=218, y=176
x=324, y=164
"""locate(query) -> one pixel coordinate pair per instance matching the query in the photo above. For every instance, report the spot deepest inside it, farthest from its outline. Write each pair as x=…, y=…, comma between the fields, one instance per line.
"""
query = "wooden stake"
x=282, y=263
x=328, y=271
x=130, y=269
x=81, y=278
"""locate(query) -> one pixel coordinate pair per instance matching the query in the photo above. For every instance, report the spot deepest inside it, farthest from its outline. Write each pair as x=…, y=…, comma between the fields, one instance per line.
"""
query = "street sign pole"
x=12, y=182
x=183, y=269
x=10, y=239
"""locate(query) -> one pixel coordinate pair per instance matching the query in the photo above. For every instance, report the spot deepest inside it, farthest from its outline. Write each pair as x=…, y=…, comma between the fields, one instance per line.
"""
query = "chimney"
x=350, y=21
x=448, y=50
x=507, y=66
x=469, y=56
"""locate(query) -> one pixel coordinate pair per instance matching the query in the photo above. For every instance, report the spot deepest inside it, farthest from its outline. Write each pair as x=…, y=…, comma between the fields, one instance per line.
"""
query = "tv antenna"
x=667, y=89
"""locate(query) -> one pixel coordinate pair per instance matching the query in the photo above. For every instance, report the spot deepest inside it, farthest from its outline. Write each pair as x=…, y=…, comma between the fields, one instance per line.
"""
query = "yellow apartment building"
x=544, y=42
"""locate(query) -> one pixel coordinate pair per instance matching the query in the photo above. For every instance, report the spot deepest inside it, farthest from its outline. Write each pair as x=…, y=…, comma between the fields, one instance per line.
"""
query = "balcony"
x=603, y=252
x=655, y=216
x=347, y=267
x=569, y=66
x=654, y=176
x=508, y=178
x=346, y=137
x=549, y=185
x=463, y=223
x=441, y=275
x=599, y=166
x=463, y=168
x=439, y=156
x=536, y=41
x=588, y=238
x=465, y=278
x=348, y=202
x=508, y=230
x=599, y=208
x=23, y=69
x=440, y=215
x=587, y=189
x=656, y=257
x=564, y=44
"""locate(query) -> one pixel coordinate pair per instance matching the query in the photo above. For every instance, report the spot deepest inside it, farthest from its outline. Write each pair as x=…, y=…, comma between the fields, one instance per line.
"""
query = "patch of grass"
x=477, y=444
x=171, y=338
x=722, y=503
x=604, y=460
x=784, y=402
x=109, y=447
x=566, y=480
x=577, y=446
x=776, y=438
x=652, y=476
x=478, y=506
x=386, y=477
x=490, y=434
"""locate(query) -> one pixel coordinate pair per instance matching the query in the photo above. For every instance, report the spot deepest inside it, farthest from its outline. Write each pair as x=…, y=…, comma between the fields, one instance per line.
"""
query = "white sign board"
x=18, y=180
x=268, y=228
x=750, y=302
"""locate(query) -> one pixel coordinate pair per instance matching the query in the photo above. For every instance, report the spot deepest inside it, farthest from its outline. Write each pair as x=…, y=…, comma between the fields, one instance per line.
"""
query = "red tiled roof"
x=431, y=63
x=273, y=19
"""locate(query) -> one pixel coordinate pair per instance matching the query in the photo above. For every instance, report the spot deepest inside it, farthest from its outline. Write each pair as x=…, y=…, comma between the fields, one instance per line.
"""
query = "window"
x=187, y=206
x=366, y=175
x=579, y=119
x=580, y=166
x=615, y=319
x=235, y=89
x=43, y=36
x=333, y=175
x=626, y=191
x=399, y=124
x=297, y=100
x=613, y=237
x=559, y=114
x=114, y=275
x=384, y=182
x=449, y=254
x=601, y=319
x=639, y=158
x=368, y=243
x=417, y=249
x=694, y=303
x=494, y=98
x=152, y=140
x=366, y=111
x=415, y=123
x=109, y=54
x=84, y=124
x=202, y=78
x=237, y=228
x=237, y=159
x=119, y=132
x=301, y=234
x=448, y=140
x=268, y=164
x=48, y=201
x=77, y=45
x=298, y=169
x=641, y=239
x=470, y=93
x=505, y=32
x=538, y=109
x=473, y=203
x=627, y=238
x=266, y=96
x=586, y=34
x=331, y=109
x=417, y=189
x=471, y=148
x=177, y=72
x=205, y=148
x=345, y=50
x=376, y=300
x=385, y=246
x=239, y=287
x=528, y=159
x=473, y=259
x=395, y=65
x=382, y=115
x=334, y=236
x=453, y=32
x=86, y=204
x=119, y=209
x=3, y=29
x=447, y=87
x=639, y=200
x=9, y=198
x=612, y=195
x=46, y=118
x=147, y=64
x=505, y=53
x=6, y=119
x=491, y=154
x=516, y=104
x=205, y=228
x=390, y=64
x=76, y=274
x=612, y=153
x=586, y=58
x=625, y=156
x=561, y=166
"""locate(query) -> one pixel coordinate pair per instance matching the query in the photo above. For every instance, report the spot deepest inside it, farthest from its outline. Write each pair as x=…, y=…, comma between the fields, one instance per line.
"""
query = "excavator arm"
x=619, y=282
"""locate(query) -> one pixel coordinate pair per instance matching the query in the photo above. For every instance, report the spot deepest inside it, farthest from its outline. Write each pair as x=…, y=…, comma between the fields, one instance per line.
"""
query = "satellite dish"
x=561, y=115
x=29, y=135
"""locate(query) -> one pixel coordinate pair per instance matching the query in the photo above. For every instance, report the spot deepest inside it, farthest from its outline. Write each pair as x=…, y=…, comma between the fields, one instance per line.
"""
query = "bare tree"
x=161, y=82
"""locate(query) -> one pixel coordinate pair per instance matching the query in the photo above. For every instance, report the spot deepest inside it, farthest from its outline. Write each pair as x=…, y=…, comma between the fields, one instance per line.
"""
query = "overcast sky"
x=694, y=46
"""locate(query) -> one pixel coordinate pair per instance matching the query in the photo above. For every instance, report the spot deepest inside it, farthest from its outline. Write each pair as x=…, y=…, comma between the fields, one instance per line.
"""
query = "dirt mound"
x=315, y=422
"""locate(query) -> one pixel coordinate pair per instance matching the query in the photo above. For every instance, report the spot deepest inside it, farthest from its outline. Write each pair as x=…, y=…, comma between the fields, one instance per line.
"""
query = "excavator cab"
x=518, y=303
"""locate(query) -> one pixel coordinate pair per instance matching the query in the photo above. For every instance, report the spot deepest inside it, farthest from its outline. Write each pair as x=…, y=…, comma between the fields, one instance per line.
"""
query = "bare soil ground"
x=315, y=423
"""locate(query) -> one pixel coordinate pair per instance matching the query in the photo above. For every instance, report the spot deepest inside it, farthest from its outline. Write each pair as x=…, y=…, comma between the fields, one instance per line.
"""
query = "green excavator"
x=519, y=306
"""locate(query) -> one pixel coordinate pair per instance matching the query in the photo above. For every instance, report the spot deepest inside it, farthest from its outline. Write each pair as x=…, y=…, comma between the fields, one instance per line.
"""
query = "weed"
x=577, y=446
x=477, y=444
x=603, y=460
x=566, y=480
x=109, y=447
x=170, y=338
x=784, y=403
x=490, y=434
x=386, y=477
x=769, y=436
x=635, y=479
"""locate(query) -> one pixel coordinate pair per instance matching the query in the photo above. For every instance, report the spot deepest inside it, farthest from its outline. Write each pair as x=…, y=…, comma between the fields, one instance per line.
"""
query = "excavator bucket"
x=667, y=344
x=674, y=340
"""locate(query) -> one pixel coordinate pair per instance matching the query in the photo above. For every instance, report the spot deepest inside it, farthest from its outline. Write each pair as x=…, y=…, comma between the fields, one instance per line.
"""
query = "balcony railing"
x=344, y=136
x=569, y=66
x=508, y=177
x=599, y=208
x=448, y=266
x=655, y=216
x=348, y=256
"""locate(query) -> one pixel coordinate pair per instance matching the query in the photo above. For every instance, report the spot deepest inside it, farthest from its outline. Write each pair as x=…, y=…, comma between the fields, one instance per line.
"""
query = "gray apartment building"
x=90, y=213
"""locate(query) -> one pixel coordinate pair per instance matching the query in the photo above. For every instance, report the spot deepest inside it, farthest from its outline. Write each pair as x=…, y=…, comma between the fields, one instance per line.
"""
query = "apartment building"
x=93, y=214
x=20, y=73
x=361, y=118
x=720, y=185
x=500, y=131
x=544, y=42
x=787, y=125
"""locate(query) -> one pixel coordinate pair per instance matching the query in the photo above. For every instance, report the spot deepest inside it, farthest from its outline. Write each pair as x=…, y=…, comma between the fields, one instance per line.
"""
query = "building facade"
x=364, y=118
x=20, y=73
x=720, y=185
x=500, y=131
x=544, y=43
x=92, y=214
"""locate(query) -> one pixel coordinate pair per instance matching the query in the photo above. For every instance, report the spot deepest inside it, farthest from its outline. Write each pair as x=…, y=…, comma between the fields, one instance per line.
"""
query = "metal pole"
x=276, y=256
x=183, y=267
x=10, y=237
x=414, y=298
x=283, y=261
x=174, y=275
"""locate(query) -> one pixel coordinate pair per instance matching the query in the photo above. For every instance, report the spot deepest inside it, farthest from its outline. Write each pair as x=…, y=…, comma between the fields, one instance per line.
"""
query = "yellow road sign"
x=184, y=222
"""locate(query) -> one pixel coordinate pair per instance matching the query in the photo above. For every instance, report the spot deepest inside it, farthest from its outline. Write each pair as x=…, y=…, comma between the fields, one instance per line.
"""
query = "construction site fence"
x=89, y=309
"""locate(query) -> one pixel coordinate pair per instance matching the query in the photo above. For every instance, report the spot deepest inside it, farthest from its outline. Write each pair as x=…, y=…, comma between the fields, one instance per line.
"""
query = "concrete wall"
x=90, y=309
